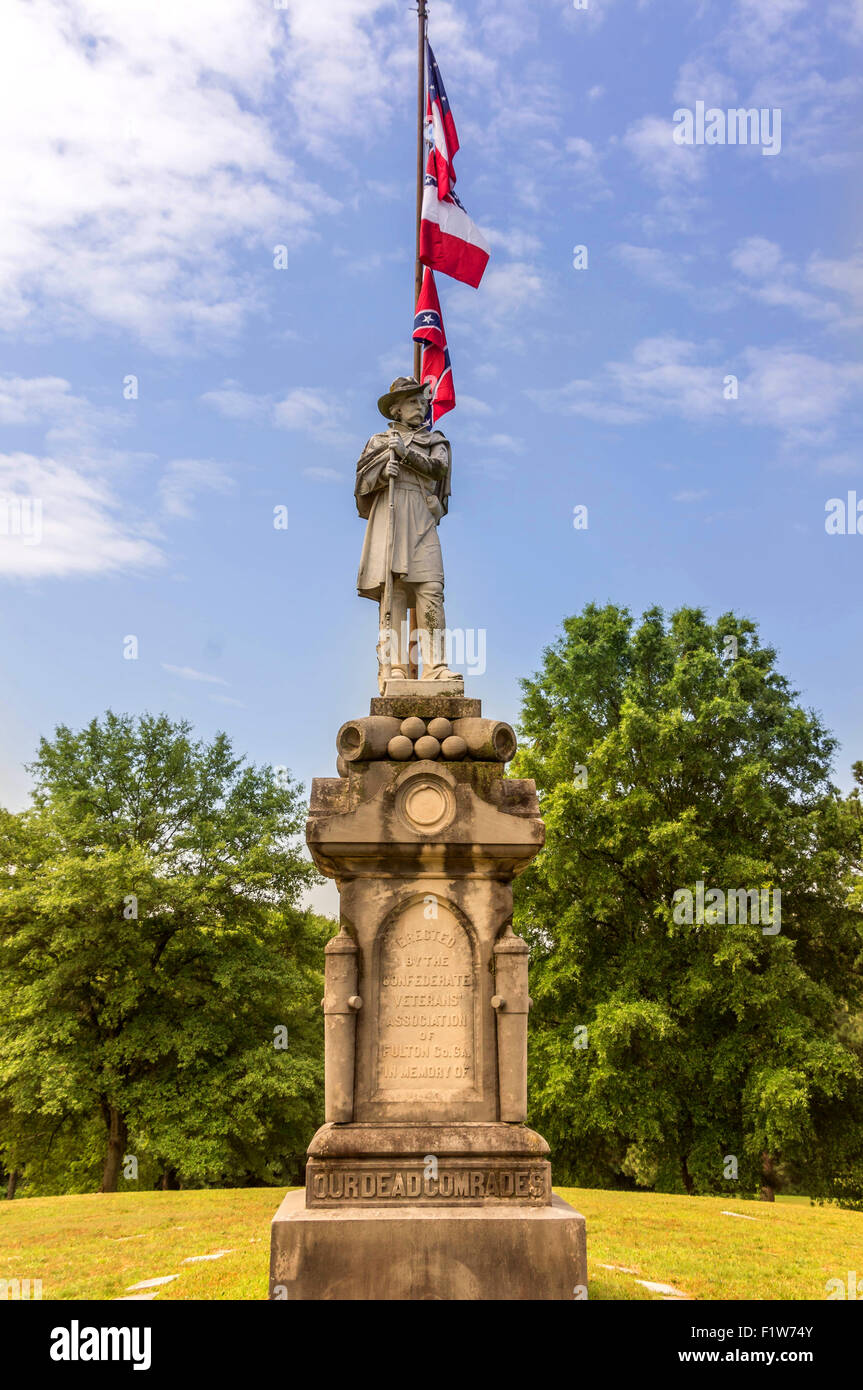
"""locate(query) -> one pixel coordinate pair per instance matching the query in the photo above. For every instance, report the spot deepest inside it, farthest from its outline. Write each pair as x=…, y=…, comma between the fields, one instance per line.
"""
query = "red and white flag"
x=449, y=240
x=435, y=368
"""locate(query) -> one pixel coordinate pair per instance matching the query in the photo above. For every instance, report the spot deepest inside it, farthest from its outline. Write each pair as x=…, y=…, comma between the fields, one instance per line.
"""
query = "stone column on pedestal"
x=511, y=1003
x=340, y=1004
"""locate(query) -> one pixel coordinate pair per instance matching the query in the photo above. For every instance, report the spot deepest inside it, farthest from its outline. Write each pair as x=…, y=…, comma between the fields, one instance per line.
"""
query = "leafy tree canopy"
x=668, y=754
x=156, y=969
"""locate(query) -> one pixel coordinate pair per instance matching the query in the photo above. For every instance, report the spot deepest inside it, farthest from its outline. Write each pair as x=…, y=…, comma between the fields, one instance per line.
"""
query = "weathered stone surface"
x=406, y=1140
x=431, y=1164
x=428, y=1181
x=402, y=491
x=425, y=1253
x=429, y=704
x=401, y=688
x=375, y=822
x=425, y=1182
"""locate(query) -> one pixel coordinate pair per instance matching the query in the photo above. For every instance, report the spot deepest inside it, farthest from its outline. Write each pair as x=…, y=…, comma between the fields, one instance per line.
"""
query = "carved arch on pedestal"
x=425, y=1043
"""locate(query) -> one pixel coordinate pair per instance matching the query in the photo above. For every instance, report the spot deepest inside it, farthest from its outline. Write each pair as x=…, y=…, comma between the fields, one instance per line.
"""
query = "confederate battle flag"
x=435, y=369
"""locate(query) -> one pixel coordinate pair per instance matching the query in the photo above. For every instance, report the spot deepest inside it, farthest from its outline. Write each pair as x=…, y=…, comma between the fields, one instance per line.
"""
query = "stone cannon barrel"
x=488, y=740
x=366, y=738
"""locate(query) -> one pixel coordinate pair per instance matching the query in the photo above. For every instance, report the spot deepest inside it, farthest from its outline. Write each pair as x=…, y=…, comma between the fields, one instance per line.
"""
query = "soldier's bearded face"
x=412, y=411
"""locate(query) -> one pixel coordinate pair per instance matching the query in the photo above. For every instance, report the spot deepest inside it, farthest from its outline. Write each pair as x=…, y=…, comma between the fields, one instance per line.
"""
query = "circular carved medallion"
x=426, y=804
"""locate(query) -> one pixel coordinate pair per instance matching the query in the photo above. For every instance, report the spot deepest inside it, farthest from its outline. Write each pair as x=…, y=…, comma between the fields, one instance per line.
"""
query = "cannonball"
x=401, y=748
x=440, y=728
x=454, y=747
x=427, y=747
x=413, y=727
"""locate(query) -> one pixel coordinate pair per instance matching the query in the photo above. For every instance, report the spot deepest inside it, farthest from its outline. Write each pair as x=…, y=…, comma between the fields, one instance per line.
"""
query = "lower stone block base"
x=422, y=1253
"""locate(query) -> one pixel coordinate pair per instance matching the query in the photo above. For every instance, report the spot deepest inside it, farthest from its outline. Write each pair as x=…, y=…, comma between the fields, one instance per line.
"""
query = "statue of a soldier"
x=419, y=461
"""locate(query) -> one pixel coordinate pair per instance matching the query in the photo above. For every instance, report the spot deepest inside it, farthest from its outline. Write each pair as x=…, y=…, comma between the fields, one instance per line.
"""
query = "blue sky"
x=159, y=154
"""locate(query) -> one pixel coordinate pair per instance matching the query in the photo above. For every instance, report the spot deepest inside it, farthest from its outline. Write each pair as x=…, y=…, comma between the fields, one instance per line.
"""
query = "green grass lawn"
x=96, y=1246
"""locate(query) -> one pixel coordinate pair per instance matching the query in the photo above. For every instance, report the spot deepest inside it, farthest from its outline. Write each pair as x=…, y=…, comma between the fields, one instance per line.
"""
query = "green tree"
x=665, y=754
x=154, y=958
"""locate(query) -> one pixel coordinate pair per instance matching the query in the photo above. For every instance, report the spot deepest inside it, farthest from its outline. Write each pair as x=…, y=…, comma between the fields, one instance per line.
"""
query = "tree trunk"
x=169, y=1180
x=118, y=1134
x=769, y=1180
x=12, y=1184
x=688, y=1182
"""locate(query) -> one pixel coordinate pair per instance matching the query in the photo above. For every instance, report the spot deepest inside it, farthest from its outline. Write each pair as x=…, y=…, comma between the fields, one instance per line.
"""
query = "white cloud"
x=800, y=396
x=843, y=462
x=511, y=443
x=583, y=162
x=144, y=129
x=670, y=166
x=658, y=267
x=662, y=377
x=763, y=21
x=769, y=277
x=508, y=291
x=778, y=53
x=184, y=479
x=472, y=405
x=505, y=25
x=74, y=478
x=59, y=511
x=74, y=423
x=28, y=400
x=310, y=410
x=844, y=277
x=757, y=257
x=188, y=673
x=83, y=529
x=303, y=408
x=848, y=18
x=235, y=404
x=323, y=475
x=337, y=63
x=590, y=14
x=515, y=242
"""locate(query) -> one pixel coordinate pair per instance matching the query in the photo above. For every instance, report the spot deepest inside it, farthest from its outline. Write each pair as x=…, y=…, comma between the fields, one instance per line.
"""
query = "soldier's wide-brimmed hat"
x=402, y=386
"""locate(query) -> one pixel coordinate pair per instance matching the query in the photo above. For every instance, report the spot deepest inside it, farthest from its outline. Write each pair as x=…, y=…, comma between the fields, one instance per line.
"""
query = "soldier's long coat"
x=416, y=548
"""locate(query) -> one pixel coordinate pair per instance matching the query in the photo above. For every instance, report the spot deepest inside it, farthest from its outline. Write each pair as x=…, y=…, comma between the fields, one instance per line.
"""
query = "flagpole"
x=422, y=13
x=422, y=20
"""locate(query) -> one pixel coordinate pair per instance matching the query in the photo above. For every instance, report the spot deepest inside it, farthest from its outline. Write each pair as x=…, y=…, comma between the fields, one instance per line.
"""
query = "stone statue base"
x=424, y=1182
x=393, y=689
x=423, y=1252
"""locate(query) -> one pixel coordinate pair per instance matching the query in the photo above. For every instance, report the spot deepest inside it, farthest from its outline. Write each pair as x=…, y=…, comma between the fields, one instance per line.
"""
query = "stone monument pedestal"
x=428, y=1252
x=424, y=1181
